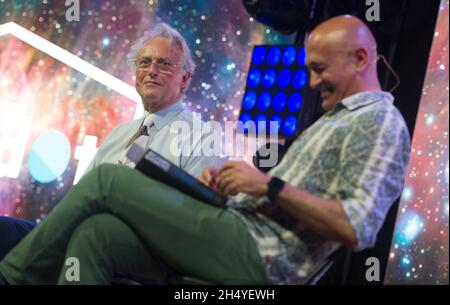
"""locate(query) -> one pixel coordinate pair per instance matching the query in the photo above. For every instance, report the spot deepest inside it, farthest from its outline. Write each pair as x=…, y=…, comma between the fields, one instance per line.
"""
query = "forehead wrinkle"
x=160, y=52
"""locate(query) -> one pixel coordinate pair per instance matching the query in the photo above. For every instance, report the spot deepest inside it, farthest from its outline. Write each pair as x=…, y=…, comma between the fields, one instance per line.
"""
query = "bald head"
x=344, y=33
x=341, y=56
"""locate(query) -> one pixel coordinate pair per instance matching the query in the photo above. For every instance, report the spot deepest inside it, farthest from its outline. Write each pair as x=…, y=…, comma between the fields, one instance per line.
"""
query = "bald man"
x=333, y=187
x=342, y=56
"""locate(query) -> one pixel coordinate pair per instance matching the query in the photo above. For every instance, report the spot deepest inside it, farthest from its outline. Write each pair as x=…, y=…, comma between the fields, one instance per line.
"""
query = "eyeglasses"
x=144, y=64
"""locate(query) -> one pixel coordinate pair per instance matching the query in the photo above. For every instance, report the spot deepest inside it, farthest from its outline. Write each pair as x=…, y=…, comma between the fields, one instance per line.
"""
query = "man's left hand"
x=237, y=177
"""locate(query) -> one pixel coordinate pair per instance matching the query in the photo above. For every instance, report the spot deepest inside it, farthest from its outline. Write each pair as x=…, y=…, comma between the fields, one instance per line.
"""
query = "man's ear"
x=361, y=59
x=185, y=80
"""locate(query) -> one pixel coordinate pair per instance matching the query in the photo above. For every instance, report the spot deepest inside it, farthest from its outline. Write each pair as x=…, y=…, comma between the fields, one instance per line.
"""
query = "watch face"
x=275, y=186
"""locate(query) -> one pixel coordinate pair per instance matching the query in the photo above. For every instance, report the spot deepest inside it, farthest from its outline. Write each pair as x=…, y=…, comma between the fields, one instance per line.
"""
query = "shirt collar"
x=164, y=116
x=362, y=99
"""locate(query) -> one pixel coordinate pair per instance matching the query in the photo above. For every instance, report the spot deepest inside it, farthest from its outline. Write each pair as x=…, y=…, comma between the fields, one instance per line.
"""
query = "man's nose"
x=153, y=70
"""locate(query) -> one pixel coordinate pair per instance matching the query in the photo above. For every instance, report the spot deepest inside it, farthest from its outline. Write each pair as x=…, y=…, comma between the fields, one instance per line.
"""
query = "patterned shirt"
x=356, y=154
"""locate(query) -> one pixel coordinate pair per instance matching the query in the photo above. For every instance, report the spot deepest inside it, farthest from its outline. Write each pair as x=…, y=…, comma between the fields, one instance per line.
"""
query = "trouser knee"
x=98, y=231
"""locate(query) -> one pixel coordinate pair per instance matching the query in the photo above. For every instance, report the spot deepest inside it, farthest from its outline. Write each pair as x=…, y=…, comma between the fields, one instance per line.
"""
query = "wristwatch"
x=275, y=186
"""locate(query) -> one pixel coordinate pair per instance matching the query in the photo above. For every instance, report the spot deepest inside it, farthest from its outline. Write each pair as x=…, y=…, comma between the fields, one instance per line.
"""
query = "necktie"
x=140, y=137
x=140, y=134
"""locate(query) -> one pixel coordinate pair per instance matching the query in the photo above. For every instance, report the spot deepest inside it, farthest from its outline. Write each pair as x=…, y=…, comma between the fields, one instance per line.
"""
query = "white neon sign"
x=13, y=152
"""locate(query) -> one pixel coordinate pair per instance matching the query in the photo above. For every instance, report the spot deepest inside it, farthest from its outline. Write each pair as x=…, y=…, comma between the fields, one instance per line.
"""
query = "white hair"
x=166, y=31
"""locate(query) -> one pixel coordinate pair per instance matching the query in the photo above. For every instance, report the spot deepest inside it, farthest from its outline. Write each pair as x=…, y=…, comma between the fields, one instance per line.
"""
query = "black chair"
x=313, y=279
x=322, y=270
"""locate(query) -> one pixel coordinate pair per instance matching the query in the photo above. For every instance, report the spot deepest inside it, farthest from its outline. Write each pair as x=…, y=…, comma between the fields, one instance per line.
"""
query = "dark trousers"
x=12, y=230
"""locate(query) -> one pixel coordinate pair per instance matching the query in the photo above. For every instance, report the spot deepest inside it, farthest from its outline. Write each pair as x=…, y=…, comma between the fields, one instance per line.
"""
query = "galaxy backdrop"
x=51, y=112
x=53, y=115
x=419, y=253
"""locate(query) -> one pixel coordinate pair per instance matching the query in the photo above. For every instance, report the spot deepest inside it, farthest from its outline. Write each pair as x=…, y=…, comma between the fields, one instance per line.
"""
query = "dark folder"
x=159, y=168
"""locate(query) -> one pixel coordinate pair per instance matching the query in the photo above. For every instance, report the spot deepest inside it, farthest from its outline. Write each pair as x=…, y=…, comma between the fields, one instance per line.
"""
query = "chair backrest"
x=351, y=268
x=380, y=251
x=317, y=275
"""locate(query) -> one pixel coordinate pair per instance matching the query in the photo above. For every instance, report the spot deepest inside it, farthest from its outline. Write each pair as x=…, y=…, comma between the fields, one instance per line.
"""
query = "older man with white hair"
x=163, y=68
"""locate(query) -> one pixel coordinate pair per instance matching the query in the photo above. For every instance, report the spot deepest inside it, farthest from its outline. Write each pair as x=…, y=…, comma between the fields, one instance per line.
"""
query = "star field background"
x=419, y=253
x=53, y=96
x=38, y=93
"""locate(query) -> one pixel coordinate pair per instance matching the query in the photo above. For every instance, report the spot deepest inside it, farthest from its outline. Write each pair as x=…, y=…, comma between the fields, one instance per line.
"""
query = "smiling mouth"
x=152, y=83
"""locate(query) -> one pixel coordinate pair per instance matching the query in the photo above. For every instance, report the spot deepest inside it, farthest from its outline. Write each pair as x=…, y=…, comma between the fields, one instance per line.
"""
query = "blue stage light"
x=249, y=100
x=259, y=54
x=273, y=57
x=245, y=117
x=289, y=126
x=279, y=101
x=260, y=122
x=274, y=124
x=300, y=79
x=301, y=57
x=264, y=101
x=284, y=78
x=253, y=78
x=288, y=56
x=295, y=102
x=269, y=78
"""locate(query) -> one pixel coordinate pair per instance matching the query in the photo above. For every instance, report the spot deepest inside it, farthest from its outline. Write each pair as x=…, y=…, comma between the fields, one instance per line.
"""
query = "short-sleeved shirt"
x=356, y=154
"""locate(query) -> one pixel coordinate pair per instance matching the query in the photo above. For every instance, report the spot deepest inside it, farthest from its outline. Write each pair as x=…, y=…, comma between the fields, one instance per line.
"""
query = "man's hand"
x=237, y=177
x=208, y=177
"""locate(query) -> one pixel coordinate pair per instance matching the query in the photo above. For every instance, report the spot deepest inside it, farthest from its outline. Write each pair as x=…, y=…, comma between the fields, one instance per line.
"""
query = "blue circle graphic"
x=279, y=101
x=300, y=79
x=269, y=78
x=253, y=78
x=264, y=101
x=259, y=54
x=295, y=102
x=290, y=125
x=284, y=78
x=288, y=56
x=49, y=156
x=249, y=100
x=274, y=56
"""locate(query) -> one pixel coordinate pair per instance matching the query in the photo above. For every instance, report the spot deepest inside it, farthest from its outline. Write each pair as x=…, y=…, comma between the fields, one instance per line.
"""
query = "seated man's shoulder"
x=382, y=111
